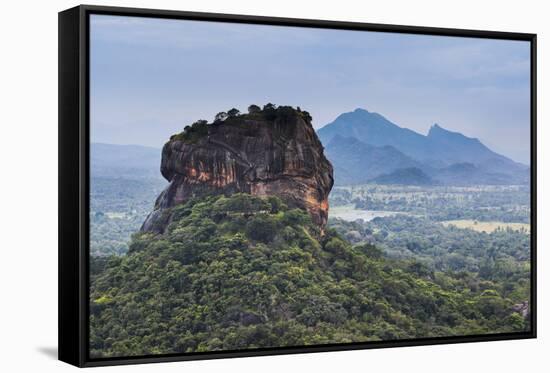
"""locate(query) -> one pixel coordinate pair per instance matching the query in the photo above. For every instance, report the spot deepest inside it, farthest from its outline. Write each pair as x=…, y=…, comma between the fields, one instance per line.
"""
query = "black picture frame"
x=74, y=183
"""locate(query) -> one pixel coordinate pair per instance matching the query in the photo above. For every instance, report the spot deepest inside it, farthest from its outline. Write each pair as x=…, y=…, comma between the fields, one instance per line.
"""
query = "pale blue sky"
x=151, y=77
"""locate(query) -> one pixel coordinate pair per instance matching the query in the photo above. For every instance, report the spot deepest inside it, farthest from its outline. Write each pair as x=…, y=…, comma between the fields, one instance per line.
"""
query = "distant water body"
x=350, y=213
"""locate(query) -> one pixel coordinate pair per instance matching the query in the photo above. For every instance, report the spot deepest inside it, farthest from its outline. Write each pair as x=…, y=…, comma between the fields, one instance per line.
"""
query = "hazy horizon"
x=244, y=110
x=151, y=77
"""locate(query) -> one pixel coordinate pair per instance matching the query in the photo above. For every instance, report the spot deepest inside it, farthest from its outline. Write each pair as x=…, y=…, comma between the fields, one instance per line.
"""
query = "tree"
x=252, y=109
x=335, y=246
x=286, y=114
x=262, y=228
x=276, y=204
x=307, y=116
x=233, y=113
x=370, y=250
x=270, y=106
x=270, y=111
x=220, y=117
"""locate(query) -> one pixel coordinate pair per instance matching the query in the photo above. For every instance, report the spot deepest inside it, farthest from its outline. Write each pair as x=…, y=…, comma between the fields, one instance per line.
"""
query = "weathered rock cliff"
x=274, y=151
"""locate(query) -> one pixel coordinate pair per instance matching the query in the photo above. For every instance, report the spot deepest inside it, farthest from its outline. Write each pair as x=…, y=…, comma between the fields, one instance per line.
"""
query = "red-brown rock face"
x=261, y=154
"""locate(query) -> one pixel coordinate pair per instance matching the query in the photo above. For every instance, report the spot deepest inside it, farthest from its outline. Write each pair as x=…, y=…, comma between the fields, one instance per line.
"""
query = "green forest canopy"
x=245, y=272
x=270, y=112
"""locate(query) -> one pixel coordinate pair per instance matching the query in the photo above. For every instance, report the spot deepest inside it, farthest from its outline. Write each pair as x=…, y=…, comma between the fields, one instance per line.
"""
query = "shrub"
x=262, y=227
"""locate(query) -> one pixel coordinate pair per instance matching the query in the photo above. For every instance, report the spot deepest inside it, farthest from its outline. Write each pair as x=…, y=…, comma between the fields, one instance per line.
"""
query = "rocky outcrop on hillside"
x=522, y=308
x=269, y=151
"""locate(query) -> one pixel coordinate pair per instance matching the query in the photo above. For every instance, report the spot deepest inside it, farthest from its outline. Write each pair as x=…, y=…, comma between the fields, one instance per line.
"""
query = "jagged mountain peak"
x=435, y=128
x=437, y=131
x=366, y=117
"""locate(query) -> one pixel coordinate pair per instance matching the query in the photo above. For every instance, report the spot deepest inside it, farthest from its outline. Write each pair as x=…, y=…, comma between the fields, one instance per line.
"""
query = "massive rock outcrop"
x=274, y=151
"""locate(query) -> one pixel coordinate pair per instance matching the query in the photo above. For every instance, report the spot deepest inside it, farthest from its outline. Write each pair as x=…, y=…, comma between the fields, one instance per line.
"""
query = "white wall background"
x=28, y=187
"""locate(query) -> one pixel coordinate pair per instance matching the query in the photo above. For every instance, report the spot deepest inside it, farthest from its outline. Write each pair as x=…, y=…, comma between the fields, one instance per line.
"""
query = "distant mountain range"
x=363, y=146
x=405, y=176
x=355, y=162
x=125, y=161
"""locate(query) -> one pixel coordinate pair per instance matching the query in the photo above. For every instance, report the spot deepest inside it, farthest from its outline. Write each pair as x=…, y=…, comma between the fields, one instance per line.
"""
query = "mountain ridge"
x=438, y=150
x=405, y=176
x=360, y=123
x=355, y=162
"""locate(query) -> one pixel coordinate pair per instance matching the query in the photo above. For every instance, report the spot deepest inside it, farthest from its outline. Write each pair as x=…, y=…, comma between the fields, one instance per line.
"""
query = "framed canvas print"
x=237, y=186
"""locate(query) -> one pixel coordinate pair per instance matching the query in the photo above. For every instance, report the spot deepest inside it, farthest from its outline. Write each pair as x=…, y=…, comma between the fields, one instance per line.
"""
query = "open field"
x=350, y=213
x=503, y=203
x=486, y=226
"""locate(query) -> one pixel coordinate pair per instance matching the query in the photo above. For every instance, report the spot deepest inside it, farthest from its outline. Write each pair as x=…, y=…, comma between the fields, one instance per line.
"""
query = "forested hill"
x=248, y=272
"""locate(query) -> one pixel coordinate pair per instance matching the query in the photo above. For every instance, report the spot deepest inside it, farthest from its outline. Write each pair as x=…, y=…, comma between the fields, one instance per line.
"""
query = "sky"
x=149, y=78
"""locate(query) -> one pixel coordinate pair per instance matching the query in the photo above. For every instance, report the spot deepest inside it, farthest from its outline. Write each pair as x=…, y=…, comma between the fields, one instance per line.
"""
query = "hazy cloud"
x=150, y=77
